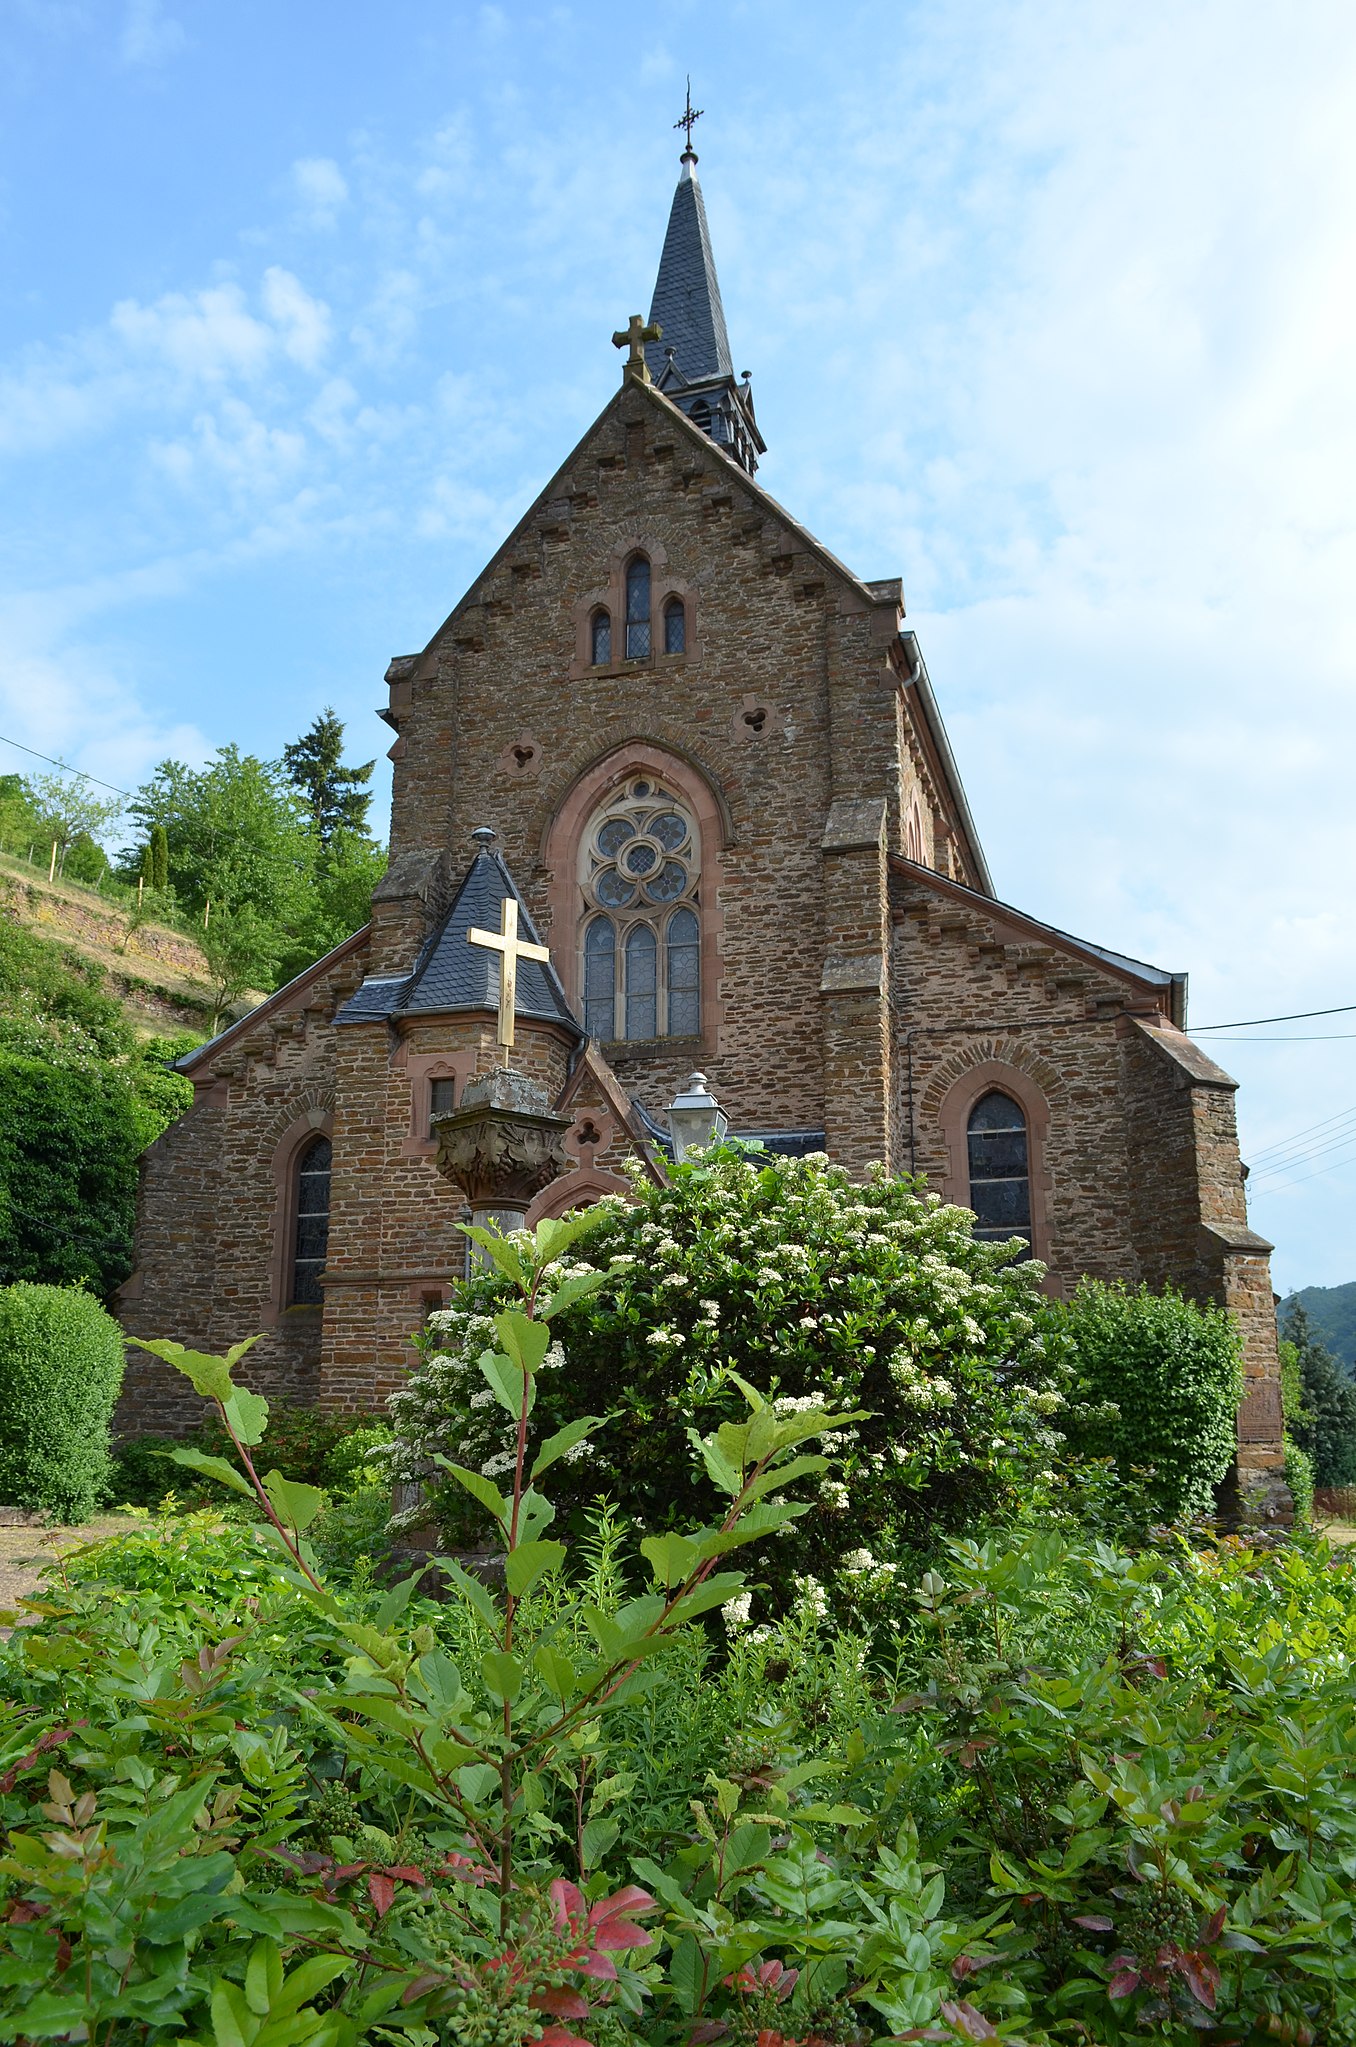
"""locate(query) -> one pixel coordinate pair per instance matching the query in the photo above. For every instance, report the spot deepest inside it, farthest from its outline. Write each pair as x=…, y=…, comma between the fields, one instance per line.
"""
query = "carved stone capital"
x=504, y=1144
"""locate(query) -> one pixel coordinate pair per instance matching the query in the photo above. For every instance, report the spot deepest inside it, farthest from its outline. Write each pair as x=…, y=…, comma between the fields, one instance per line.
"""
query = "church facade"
x=721, y=791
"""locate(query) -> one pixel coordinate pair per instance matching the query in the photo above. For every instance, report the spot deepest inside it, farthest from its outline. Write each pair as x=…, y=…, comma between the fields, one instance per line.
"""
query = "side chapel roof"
x=451, y=974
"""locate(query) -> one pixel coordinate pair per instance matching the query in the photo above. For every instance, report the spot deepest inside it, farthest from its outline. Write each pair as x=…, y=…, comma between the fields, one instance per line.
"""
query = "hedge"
x=61, y=1360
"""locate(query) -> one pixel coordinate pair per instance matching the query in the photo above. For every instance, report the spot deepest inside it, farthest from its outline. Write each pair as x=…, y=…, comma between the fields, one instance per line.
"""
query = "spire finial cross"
x=634, y=336
x=690, y=116
x=510, y=948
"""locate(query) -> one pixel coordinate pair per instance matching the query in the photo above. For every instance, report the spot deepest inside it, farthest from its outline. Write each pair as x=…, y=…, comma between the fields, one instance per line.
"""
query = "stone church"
x=705, y=761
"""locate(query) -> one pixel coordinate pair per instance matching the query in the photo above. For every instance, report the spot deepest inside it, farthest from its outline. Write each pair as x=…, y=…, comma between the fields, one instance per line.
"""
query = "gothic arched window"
x=311, y=1237
x=675, y=627
x=637, y=608
x=998, y=1156
x=600, y=638
x=641, y=937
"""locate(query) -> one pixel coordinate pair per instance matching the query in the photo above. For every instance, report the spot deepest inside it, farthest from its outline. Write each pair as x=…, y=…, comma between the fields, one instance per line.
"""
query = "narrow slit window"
x=313, y=1224
x=1000, y=1169
x=642, y=963
x=600, y=639
x=684, y=975
x=442, y=1100
x=600, y=979
x=638, y=609
x=675, y=627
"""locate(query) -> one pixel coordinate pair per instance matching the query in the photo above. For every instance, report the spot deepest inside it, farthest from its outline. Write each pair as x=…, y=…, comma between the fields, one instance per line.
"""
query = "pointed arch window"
x=600, y=638
x=311, y=1238
x=999, y=1159
x=640, y=930
x=675, y=627
x=637, y=608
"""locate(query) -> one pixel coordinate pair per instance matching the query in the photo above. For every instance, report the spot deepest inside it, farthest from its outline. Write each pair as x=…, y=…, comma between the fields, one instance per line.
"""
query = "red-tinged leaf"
x=557, y=2036
x=63, y=1954
x=967, y=2020
x=568, y=1900
x=1201, y=1978
x=706, y=2032
x=405, y=1873
x=342, y=1871
x=630, y=1899
x=561, y=2003
x=305, y=1860
x=620, y=1933
x=382, y=1892
x=23, y=1911
x=965, y=1965
x=54, y=1738
x=1124, y=1983
x=420, y=1986
x=1096, y=1922
x=465, y=1870
x=601, y=1966
x=1213, y=1927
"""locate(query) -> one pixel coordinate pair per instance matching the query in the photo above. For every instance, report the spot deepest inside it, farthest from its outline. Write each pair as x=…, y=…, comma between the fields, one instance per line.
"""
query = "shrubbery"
x=1087, y=1795
x=813, y=1288
x=61, y=1361
x=1159, y=1380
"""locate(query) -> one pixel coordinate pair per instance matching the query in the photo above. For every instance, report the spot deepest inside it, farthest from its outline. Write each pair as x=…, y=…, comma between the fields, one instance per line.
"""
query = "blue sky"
x=1048, y=307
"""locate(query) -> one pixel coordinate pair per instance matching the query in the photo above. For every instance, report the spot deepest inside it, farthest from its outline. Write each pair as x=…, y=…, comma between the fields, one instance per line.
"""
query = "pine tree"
x=1326, y=1427
x=334, y=795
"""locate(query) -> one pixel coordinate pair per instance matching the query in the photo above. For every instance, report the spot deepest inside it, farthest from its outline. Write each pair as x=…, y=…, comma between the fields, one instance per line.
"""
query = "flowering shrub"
x=783, y=1271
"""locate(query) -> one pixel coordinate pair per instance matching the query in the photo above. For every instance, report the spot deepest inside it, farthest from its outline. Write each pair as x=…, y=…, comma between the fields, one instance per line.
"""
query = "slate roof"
x=451, y=974
x=686, y=300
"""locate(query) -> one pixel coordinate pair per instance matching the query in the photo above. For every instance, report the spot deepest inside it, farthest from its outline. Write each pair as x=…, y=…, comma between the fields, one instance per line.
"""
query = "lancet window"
x=600, y=638
x=675, y=627
x=637, y=608
x=311, y=1237
x=640, y=925
x=1000, y=1168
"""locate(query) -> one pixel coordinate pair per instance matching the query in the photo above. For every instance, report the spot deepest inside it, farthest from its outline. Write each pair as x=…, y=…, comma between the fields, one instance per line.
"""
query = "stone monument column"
x=501, y=1146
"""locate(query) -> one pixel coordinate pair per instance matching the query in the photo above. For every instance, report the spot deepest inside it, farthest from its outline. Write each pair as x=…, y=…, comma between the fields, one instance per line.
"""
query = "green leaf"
x=506, y=1381
x=556, y=1672
x=395, y=1602
x=263, y=1977
x=525, y=1564
x=296, y=1505
x=535, y=1512
x=576, y=1288
x=479, y=1487
x=719, y=1468
x=501, y=1254
x=565, y=1439
x=554, y=1236
x=247, y=1414
x=232, y=2022
x=307, y=1980
x=214, y=1467
x=475, y=1589
x=598, y=1836
x=210, y=1376
x=687, y=1975
x=785, y=1474
x=715, y=1592
x=671, y=1557
x=525, y=1340
x=503, y=1674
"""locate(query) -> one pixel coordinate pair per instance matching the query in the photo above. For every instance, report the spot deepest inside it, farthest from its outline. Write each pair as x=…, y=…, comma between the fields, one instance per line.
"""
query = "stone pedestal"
x=501, y=1146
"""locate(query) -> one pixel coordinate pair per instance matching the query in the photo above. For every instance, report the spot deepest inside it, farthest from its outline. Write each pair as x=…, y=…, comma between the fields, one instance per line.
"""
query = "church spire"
x=691, y=361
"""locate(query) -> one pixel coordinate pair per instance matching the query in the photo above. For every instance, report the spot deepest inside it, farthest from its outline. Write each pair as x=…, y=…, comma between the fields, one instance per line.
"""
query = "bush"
x=809, y=1287
x=61, y=1361
x=1165, y=1378
x=142, y=1471
x=1324, y=1422
x=1299, y=1476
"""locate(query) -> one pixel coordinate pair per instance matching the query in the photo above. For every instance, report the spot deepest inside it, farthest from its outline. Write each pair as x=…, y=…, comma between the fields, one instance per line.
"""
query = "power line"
x=1303, y=1158
x=1296, y=1016
x=1322, y=1038
x=62, y=765
x=1317, y=1174
x=1284, y=1143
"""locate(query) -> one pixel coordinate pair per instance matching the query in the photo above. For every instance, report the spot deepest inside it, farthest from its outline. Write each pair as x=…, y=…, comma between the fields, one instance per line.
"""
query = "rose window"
x=640, y=935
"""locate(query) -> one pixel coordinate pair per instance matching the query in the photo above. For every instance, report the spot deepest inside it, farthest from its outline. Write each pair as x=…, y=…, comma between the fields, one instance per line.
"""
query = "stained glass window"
x=675, y=627
x=600, y=652
x=313, y=1223
x=638, y=609
x=442, y=1099
x=1000, y=1174
x=641, y=957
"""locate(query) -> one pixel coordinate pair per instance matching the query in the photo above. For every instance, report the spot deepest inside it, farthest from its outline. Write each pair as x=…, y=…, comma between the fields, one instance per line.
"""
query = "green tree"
x=242, y=950
x=335, y=796
x=1326, y=1423
x=70, y=810
x=346, y=872
x=20, y=825
x=236, y=837
x=155, y=859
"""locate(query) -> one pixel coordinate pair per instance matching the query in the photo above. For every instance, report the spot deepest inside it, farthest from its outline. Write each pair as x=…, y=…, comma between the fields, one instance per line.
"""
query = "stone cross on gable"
x=634, y=337
x=506, y=942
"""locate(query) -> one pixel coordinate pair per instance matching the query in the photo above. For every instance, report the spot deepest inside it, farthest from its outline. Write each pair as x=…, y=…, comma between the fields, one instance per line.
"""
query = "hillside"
x=156, y=975
x=1332, y=1311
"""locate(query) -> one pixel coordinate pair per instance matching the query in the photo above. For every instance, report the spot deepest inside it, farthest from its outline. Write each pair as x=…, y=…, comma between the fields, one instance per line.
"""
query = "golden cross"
x=506, y=942
x=635, y=337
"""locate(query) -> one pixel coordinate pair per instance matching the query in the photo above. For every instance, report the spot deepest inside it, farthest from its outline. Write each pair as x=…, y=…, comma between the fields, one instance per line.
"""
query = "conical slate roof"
x=451, y=974
x=686, y=300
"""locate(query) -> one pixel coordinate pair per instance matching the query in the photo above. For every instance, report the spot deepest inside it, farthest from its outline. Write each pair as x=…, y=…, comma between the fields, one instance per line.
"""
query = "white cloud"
x=149, y=36
x=207, y=335
x=321, y=188
x=235, y=448
x=302, y=321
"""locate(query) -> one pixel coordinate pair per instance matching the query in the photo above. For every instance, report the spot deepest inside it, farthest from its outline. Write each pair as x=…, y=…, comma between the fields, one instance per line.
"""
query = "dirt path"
x=25, y=1552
